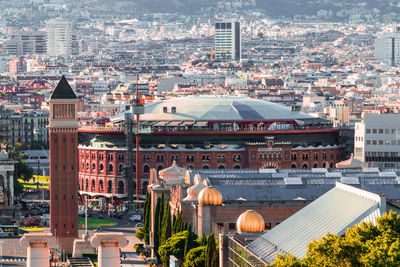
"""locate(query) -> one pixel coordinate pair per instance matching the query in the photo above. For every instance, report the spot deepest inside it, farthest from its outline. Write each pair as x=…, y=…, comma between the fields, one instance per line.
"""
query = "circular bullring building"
x=204, y=132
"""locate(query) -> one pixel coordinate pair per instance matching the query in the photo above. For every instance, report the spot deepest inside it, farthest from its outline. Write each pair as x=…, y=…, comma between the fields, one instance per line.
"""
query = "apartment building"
x=377, y=140
x=227, y=41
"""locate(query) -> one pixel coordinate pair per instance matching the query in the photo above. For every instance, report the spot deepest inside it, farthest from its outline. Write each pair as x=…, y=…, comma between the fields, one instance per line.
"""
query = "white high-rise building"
x=227, y=41
x=60, y=38
x=25, y=43
x=387, y=48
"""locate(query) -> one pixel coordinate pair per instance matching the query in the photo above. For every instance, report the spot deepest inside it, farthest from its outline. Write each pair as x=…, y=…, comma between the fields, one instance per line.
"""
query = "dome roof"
x=210, y=196
x=250, y=221
x=226, y=108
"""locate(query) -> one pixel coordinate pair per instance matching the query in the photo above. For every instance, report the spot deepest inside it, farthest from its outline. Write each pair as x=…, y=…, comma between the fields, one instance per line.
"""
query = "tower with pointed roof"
x=63, y=130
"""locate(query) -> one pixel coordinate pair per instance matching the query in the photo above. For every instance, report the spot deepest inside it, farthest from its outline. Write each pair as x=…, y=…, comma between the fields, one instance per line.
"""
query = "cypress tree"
x=211, y=256
x=160, y=218
x=189, y=243
x=147, y=218
x=166, y=223
x=179, y=226
x=204, y=240
x=156, y=227
x=173, y=224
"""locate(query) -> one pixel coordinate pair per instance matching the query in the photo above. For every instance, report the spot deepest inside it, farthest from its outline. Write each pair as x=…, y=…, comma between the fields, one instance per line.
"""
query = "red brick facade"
x=103, y=169
x=64, y=181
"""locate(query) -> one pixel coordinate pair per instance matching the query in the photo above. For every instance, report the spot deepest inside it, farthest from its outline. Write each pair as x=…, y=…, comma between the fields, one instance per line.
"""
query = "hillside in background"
x=369, y=10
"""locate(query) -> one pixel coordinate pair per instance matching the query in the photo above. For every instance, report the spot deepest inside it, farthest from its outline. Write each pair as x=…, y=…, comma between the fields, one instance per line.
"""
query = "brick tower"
x=63, y=130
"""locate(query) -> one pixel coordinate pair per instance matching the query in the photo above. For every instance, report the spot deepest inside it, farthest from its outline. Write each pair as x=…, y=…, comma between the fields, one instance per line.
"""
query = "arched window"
x=121, y=168
x=221, y=167
x=109, y=187
x=294, y=166
x=331, y=165
x=146, y=169
x=236, y=167
x=121, y=187
x=110, y=167
x=206, y=167
x=93, y=188
x=101, y=167
x=159, y=168
x=87, y=185
x=87, y=166
x=189, y=167
x=305, y=166
x=93, y=166
x=101, y=186
x=315, y=165
x=324, y=165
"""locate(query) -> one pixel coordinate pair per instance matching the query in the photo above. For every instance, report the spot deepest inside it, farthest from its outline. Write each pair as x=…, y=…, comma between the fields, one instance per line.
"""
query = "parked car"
x=32, y=222
x=135, y=217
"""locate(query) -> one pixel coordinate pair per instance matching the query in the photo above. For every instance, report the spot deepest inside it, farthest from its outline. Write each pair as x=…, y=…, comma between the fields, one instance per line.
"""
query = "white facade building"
x=60, y=38
x=25, y=43
x=387, y=48
x=377, y=140
x=227, y=41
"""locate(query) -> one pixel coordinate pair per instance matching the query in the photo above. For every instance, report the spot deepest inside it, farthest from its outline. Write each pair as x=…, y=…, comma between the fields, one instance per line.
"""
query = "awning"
x=188, y=123
x=174, y=123
x=108, y=195
x=201, y=123
x=161, y=123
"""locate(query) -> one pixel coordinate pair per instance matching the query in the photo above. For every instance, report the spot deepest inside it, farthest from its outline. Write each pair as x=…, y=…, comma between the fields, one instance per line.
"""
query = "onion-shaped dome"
x=210, y=196
x=250, y=221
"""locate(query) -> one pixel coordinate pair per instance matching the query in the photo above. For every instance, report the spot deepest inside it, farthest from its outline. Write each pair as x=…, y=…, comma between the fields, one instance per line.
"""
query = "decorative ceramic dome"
x=250, y=221
x=210, y=196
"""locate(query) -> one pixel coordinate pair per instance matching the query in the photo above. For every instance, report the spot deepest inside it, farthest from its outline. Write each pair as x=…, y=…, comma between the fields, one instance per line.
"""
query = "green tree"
x=147, y=218
x=166, y=223
x=140, y=233
x=175, y=245
x=196, y=257
x=18, y=188
x=156, y=226
x=211, y=252
x=17, y=153
x=190, y=241
x=362, y=245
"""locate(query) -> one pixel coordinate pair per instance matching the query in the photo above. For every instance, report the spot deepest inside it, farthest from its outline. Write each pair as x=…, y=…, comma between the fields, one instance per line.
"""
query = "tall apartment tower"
x=60, y=38
x=25, y=43
x=387, y=47
x=227, y=41
x=63, y=134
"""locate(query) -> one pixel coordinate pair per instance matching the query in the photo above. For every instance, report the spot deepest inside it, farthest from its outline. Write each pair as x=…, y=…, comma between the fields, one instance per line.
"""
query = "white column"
x=108, y=245
x=38, y=245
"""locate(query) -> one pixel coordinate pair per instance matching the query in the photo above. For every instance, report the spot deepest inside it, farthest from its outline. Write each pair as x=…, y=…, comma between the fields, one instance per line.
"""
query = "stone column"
x=38, y=245
x=108, y=245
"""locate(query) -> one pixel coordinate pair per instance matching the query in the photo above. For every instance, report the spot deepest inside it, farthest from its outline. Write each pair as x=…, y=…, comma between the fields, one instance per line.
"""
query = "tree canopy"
x=175, y=245
x=362, y=245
